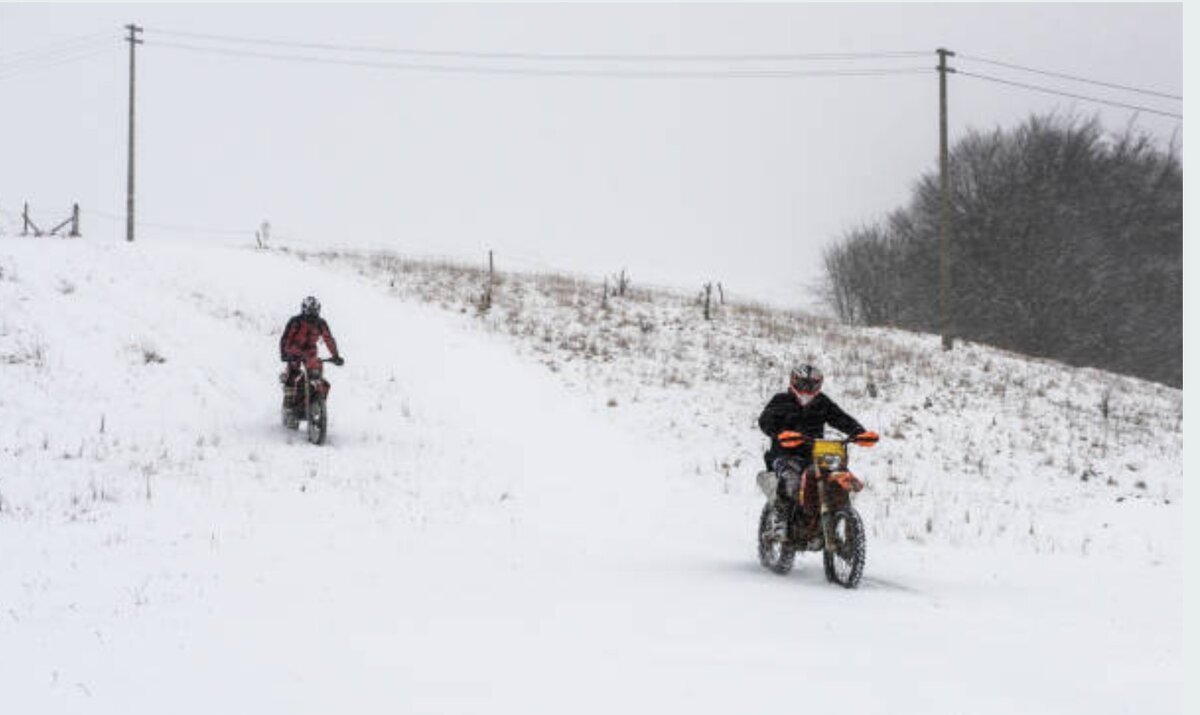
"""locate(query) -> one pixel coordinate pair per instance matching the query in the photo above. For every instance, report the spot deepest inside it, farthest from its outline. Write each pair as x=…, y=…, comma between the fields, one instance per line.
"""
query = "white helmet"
x=805, y=383
x=310, y=307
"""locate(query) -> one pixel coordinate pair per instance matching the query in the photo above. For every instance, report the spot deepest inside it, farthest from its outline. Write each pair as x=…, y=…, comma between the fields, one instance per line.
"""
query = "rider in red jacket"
x=298, y=345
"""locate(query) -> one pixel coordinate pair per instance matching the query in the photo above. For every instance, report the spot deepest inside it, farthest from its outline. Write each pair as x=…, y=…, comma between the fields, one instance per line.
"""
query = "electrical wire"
x=66, y=44
x=48, y=63
x=543, y=72
x=549, y=56
x=1075, y=78
x=71, y=50
x=1048, y=90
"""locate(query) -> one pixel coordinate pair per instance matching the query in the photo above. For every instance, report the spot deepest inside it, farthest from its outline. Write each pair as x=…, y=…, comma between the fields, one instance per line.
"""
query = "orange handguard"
x=790, y=439
x=866, y=439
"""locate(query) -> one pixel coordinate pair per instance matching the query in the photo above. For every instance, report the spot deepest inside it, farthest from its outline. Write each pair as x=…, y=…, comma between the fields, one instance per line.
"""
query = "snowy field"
x=547, y=507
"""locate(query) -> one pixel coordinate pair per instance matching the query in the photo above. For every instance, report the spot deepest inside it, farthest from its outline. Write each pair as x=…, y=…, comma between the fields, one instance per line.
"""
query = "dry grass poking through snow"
x=980, y=445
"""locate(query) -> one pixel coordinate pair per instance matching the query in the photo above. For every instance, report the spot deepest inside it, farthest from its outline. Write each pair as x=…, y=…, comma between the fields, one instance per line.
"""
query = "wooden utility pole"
x=944, y=219
x=133, y=43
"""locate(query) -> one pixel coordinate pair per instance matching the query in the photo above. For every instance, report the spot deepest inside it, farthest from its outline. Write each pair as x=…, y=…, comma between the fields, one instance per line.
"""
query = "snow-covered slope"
x=982, y=447
x=482, y=534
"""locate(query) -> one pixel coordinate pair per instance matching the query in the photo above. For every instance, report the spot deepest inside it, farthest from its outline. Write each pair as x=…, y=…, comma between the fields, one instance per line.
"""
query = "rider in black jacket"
x=803, y=409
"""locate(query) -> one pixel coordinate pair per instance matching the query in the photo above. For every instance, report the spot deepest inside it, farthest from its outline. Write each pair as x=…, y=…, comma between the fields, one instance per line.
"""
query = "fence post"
x=29, y=223
x=75, y=221
x=263, y=234
x=487, y=291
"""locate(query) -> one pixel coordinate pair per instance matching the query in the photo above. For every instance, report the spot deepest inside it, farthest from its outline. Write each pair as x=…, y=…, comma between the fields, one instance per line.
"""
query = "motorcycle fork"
x=826, y=521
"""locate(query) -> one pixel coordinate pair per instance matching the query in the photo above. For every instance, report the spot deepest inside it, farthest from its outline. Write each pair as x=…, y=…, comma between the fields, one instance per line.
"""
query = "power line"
x=1075, y=78
x=47, y=63
x=554, y=56
x=1048, y=90
x=33, y=59
x=50, y=49
x=543, y=72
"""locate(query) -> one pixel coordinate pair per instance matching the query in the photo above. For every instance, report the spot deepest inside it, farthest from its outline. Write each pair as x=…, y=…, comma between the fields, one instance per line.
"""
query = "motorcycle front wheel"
x=845, y=560
x=316, y=420
x=775, y=551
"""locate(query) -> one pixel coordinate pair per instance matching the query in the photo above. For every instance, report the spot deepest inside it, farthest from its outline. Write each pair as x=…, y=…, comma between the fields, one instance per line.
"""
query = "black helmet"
x=310, y=307
x=805, y=383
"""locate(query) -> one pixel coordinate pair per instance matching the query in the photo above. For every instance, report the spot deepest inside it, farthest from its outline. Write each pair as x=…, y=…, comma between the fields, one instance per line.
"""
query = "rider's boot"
x=793, y=511
x=289, y=408
x=785, y=509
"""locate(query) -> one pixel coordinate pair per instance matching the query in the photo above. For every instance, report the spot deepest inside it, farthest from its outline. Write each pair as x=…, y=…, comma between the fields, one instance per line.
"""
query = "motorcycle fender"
x=847, y=481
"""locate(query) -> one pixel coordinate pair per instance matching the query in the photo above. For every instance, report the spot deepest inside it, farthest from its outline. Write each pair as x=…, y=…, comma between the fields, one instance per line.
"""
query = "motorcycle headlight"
x=831, y=461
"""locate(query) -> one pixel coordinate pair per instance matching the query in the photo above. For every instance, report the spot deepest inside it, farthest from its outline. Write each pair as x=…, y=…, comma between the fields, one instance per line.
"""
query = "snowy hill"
x=484, y=534
x=981, y=446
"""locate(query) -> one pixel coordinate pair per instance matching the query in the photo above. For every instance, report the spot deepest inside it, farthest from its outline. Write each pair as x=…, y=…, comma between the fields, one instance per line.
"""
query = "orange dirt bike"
x=828, y=522
x=306, y=393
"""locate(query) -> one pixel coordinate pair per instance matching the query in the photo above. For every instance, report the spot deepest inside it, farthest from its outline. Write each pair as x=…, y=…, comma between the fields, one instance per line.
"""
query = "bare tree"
x=1067, y=244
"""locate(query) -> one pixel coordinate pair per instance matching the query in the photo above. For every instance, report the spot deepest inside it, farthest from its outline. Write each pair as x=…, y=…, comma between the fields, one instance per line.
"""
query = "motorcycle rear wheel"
x=844, y=562
x=775, y=551
x=316, y=420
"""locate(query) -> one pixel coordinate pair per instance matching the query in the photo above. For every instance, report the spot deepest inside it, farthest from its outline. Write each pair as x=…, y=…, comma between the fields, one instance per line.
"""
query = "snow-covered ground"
x=982, y=447
x=484, y=534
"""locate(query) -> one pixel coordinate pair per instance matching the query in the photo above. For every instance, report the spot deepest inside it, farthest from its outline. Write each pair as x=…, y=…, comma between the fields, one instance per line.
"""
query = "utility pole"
x=133, y=43
x=944, y=219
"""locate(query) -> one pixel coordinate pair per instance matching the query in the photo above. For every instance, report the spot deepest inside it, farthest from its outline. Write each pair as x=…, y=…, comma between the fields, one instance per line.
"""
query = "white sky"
x=680, y=181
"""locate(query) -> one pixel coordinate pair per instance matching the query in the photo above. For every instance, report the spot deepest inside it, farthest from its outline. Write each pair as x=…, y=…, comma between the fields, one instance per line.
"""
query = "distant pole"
x=487, y=295
x=133, y=43
x=944, y=220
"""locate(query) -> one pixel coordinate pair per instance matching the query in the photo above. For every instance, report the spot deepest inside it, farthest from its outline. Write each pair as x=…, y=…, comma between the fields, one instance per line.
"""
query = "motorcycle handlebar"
x=865, y=439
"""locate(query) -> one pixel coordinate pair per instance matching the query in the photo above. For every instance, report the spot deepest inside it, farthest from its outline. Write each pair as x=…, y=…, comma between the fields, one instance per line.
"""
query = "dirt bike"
x=307, y=393
x=828, y=521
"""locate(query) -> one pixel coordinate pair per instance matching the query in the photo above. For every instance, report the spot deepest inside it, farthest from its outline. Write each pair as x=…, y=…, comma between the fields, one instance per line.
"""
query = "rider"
x=298, y=345
x=792, y=420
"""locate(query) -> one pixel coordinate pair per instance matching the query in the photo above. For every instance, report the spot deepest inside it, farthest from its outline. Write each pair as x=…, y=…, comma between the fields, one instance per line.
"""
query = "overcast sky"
x=679, y=180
